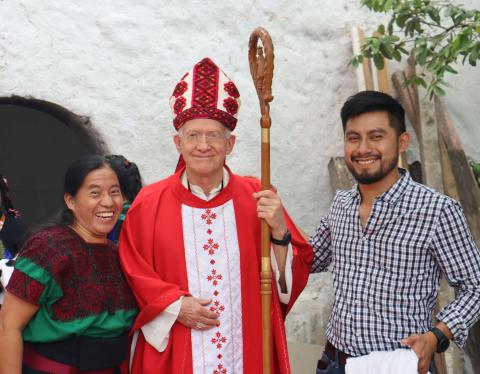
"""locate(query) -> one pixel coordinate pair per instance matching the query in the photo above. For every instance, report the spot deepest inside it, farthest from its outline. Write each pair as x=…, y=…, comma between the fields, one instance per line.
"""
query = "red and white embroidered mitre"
x=205, y=92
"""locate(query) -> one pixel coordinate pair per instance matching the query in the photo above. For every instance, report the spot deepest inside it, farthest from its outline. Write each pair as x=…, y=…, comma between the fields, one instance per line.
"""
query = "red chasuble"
x=154, y=257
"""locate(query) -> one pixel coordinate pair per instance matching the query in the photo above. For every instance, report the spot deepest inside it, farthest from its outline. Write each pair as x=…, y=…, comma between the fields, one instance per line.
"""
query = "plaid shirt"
x=386, y=275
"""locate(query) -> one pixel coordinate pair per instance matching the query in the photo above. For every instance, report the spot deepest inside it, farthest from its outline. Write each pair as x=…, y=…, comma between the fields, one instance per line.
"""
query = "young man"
x=388, y=240
x=190, y=247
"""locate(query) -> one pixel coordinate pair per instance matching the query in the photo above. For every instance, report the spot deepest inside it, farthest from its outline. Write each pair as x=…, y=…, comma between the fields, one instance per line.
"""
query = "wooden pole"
x=261, y=69
x=364, y=73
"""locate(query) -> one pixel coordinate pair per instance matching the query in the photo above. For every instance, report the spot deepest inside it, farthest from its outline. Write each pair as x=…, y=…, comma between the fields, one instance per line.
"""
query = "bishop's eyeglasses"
x=210, y=137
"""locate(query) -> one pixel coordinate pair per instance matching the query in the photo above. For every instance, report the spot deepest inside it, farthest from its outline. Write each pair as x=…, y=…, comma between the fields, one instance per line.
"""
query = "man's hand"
x=194, y=315
x=269, y=207
x=424, y=345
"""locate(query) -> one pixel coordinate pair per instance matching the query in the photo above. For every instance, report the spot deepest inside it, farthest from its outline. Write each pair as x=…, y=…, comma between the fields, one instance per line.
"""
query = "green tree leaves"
x=475, y=165
x=439, y=32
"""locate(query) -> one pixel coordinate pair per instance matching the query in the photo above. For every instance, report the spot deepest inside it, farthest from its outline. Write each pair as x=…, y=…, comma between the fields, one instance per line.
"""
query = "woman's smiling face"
x=96, y=205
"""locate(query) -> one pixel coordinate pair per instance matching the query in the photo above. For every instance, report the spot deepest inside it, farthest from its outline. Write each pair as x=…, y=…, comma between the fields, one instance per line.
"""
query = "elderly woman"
x=67, y=295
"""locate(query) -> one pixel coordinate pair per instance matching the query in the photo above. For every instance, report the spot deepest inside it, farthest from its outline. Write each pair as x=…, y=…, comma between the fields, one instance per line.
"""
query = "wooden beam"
x=340, y=176
x=410, y=71
x=383, y=75
x=449, y=183
x=363, y=72
x=408, y=102
x=468, y=190
x=429, y=149
x=460, y=184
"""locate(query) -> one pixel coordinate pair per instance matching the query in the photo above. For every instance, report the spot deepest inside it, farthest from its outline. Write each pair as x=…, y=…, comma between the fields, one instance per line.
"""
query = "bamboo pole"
x=261, y=69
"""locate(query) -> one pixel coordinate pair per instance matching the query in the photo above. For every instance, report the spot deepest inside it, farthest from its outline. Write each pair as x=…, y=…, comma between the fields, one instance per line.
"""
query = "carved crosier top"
x=261, y=69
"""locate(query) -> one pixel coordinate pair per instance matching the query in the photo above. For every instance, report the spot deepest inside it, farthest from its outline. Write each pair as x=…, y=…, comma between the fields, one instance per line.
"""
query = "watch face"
x=443, y=344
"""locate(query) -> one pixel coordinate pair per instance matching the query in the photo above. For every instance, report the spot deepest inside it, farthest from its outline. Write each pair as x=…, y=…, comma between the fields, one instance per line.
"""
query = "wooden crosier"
x=261, y=69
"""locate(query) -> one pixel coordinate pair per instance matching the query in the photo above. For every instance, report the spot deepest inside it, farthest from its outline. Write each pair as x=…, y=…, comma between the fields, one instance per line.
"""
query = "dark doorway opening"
x=38, y=140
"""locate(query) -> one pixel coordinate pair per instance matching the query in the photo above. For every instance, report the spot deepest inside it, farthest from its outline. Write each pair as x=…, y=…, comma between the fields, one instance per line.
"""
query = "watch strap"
x=442, y=341
x=287, y=238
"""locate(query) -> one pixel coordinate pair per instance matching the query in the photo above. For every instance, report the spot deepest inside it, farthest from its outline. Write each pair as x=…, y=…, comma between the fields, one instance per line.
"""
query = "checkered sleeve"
x=459, y=259
x=321, y=241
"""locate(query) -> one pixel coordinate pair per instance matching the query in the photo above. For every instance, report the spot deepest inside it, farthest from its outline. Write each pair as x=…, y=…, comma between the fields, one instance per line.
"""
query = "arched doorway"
x=38, y=140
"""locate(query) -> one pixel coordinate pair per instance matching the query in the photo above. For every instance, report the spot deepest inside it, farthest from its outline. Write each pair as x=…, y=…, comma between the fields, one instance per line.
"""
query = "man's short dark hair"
x=374, y=101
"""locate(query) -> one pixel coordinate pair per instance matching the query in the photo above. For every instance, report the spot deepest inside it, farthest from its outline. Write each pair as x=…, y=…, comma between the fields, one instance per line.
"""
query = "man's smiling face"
x=372, y=147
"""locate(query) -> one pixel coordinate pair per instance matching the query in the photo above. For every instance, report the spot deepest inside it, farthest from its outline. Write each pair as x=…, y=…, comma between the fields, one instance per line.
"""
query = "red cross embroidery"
x=217, y=307
x=208, y=216
x=214, y=277
x=209, y=232
x=219, y=340
x=210, y=247
x=220, y=370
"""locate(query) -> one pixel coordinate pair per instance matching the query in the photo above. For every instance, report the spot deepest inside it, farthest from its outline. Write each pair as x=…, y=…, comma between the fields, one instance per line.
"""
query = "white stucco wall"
x=118, y=62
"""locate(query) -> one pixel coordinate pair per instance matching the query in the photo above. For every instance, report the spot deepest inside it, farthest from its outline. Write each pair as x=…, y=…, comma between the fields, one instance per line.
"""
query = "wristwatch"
x=287, y=238
x=442, y=341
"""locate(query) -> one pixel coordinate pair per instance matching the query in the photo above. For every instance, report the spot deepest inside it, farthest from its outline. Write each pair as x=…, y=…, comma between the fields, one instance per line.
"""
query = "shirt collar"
x=391, y=196
x=198, y=191
x=398, y=189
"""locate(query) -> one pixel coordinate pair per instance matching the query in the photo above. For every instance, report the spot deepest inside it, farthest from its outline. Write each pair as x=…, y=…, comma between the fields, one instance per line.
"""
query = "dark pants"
x=329, y=365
